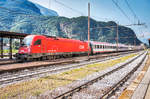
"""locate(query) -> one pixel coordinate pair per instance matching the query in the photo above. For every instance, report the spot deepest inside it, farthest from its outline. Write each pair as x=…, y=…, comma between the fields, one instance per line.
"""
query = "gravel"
x=95, y=90
x=36, y=70
x=109, y=80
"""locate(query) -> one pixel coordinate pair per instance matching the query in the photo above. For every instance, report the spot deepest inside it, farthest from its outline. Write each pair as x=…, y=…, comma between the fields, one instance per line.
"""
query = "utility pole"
x=88, y=30
x=49, y=4
x=117, y=38
x=135, y=40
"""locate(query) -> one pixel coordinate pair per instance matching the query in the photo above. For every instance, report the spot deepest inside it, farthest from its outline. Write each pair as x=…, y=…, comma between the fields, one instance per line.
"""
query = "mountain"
x=26, y=17
x=26, y=7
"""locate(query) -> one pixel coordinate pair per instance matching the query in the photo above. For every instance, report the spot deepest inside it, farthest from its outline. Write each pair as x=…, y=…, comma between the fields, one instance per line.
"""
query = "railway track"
x=109, y=90
x=13, y=77
x=6, y=62
x=9, y=62
x=22, y=66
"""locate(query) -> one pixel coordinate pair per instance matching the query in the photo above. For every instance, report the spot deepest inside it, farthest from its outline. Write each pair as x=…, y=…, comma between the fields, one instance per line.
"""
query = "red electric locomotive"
x=39, y=46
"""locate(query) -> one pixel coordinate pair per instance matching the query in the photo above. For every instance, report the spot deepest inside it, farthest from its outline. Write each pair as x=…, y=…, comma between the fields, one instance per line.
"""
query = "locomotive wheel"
x=53, y=57
x=58, y=56
x=69, y=55
x=25, y=59
x=44, y=57
x=38, y=59
x=50, y=57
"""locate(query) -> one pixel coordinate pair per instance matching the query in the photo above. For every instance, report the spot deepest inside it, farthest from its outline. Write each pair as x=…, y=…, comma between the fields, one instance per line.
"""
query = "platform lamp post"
x=88, y=30
x=10, y=48
x=1, y=47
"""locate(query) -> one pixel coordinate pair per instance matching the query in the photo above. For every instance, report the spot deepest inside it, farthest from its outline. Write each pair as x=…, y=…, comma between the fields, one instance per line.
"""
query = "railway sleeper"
x=106, y=93
x=121, y=83
x=19, y=79
x=6, y=81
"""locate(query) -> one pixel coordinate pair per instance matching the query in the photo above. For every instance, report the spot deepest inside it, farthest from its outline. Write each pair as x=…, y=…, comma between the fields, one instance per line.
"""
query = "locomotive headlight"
x=29, y=50
x=21, y=51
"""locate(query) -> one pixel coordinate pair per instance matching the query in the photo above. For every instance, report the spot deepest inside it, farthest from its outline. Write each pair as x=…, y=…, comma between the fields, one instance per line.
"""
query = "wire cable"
x=135, y=16
x=82, y=14
x=121, y=9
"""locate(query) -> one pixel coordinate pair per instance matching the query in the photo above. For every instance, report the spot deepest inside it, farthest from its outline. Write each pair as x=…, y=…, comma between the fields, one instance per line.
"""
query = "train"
x=49, y=47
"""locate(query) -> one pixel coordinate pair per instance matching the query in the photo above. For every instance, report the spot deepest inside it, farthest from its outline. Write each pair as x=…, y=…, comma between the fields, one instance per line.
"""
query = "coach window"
x=93, y=46
x=37, y=42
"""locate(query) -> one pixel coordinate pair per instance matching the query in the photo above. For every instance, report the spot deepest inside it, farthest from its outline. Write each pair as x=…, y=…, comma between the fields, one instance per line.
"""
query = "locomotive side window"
x=37, y=42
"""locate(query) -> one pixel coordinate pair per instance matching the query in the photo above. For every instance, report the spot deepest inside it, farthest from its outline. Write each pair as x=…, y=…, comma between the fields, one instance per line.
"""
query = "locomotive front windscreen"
x=27, y=40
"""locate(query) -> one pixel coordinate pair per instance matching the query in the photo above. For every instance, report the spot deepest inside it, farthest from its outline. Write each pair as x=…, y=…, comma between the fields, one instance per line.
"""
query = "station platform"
x=143, y=89
x=6, y=59
x=147, y=96
x=140, y=87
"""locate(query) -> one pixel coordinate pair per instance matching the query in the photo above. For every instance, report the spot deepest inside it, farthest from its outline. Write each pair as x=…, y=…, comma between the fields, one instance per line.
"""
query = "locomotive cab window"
x=27, y=40
x=37, y=42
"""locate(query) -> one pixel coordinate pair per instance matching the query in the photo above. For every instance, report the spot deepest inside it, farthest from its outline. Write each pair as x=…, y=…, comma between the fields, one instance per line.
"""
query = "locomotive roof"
x=59, y=38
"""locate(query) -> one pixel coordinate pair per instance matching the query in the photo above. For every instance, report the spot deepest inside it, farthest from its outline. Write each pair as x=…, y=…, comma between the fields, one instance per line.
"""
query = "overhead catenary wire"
x=122, y=11
x=135, y=16
x=82, y=14
x=79, y=12
x=28, y=14
x=114, y=26
x=100, y=18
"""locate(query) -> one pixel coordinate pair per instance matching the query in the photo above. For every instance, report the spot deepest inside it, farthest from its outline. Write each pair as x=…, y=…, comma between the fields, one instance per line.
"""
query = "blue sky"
x=105, y=10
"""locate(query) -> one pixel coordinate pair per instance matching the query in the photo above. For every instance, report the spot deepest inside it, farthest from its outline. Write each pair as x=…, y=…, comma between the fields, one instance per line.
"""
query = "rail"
x=69, y=93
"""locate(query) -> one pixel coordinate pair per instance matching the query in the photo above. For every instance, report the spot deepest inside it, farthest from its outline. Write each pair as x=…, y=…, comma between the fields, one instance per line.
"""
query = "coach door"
x=44, y=46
